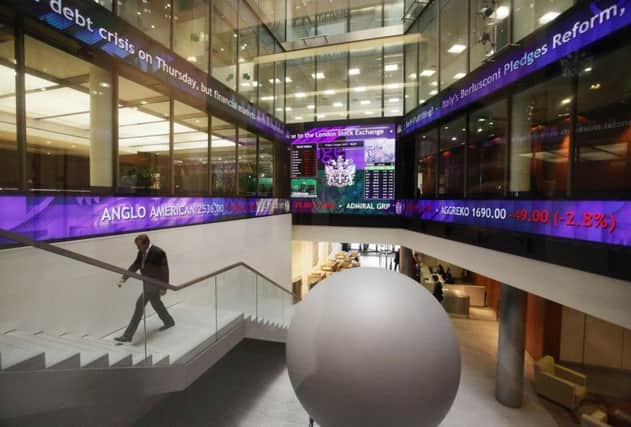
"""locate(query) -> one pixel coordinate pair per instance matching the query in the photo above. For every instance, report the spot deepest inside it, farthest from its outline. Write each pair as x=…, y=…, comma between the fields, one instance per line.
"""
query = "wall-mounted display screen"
x=343, y=169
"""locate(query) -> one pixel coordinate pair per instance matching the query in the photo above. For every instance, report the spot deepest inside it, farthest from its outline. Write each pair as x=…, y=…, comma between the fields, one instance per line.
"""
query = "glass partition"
x=143, y=139
x=223, y=42
x=300, y=92
x=247, y=53
x=532, y=14
x=451, y=165
x=190, y=149
x=247, y=151
x=427, y=72
x=69, y=144
x=9, y=174
x=266, y=167
x=392, y=81
x=223, y=149
x=427, y=149
x=454, y=41
x=365, y=75
x=152, y=17
x=190, y=31
x=490, y=29
x=332, y=80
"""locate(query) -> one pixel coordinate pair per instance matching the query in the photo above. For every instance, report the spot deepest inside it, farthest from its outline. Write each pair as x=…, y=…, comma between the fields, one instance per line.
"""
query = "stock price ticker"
x=597, y=221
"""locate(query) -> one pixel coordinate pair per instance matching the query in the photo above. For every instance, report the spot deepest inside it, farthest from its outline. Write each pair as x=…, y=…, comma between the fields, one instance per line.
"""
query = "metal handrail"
x=27, y=241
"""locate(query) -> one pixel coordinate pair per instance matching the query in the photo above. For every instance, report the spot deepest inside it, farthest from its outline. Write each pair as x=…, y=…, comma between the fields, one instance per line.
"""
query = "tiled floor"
x=240, y=393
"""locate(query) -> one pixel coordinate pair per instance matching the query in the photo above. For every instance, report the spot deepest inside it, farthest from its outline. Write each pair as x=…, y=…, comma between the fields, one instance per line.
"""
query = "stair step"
x=118, y=358
x=89, y=356
x=137, y=356
x=55, y=356
x=14, y=358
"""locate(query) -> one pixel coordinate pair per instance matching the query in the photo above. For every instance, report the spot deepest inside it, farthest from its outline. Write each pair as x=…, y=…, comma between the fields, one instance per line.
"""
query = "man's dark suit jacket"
x=156, y=267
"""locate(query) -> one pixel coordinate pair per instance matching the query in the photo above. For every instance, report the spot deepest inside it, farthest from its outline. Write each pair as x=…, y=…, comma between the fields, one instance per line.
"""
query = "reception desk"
x=476, y=294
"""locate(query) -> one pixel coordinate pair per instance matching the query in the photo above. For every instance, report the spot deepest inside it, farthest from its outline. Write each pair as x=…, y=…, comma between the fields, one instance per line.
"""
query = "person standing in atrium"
x=152, y=262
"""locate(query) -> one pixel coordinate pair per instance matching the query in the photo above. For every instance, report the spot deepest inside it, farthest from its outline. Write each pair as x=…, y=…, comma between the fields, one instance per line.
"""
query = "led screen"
x=344, y=169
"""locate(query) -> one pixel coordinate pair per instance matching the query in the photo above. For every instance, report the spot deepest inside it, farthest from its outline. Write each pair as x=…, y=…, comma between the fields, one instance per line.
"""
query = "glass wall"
x=365, y=14
x=426, y=150
x=267, y=80
x=300, y=95
x=190, y=149
x=411, y=73
x=143, y=139
x=152, y=17
x=603, y=126
x=190, y=31
x=223, y=150
x=266, y=167
x=427, y=72
x=540, y=139
x=247, y=163
x=393, y=89
x=532, y=14
x=223, y=41
x=8, y=140
x=488, y=129
x=392, y=12
x=490, y=22
x=248, y=52
x=69, y=143
x=280, y=83
x=451, y=163
x=332, y=81
x=365, y=75
x=453, y=41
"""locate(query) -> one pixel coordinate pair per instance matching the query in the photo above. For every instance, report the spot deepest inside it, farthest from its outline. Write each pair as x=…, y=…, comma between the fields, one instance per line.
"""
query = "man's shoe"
x=167, y=326
x=123, y=338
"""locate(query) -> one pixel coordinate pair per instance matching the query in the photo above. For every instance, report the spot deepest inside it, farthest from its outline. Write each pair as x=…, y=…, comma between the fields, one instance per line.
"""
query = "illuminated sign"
x=98, y=28
x=66, y=217
x=570, y=33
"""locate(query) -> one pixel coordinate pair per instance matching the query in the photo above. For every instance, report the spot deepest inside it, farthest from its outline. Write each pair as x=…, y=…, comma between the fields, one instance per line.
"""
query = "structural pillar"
x=509, y=385
x=407, y=265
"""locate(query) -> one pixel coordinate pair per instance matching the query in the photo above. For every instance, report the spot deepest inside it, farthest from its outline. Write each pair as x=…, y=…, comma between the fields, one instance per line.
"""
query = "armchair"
x=561, y=385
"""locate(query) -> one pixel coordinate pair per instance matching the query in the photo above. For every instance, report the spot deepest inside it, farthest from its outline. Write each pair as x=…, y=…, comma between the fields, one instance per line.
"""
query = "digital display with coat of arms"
x=343, y=169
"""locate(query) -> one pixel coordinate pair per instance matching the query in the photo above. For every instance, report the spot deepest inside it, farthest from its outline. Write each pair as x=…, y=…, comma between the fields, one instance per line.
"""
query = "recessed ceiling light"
x=566, y=101
x=457, y=48
x=192, y=59
x=364, y=101
x=288, y=108
x=393, y=100
x=394, y=111
x=434, y=92
x=354, y=71
x=453, y=138
x=368, y=113
x=392, y=86
x=288, y=80
x=360, y=89
x=318, y=75
x=412, y=76
x=267, y=98
x=427, y=73
x=434, y=83
x=338, y=104
x=588, y=69
x=459, y=76
x=329, y=92
x=300, y=95
x=594, y=86
x=391, y=67
x=298, y=118
x=311, y=107
x=548, y=17
x=502, y=12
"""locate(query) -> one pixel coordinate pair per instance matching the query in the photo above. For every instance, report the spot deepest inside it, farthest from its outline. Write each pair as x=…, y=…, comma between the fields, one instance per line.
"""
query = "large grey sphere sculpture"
x=372, y=348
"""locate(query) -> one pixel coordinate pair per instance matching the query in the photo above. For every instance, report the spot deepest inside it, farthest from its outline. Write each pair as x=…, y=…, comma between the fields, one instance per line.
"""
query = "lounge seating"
x=561, y=385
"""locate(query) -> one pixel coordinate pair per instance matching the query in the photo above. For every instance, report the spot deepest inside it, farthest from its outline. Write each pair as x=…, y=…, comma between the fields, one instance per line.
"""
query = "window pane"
x=279, y=86
x=105, y=3
x=393, y=80
x=332, y=17
x=540, y=139
x=603, y=133
x=266, y=167
x=532, y=14
x=301, y=19
x=428, y=54
x=332, y=81
x=427, y=148
x=487, y=149
x=366, y=86
x=453, y=21
x=247, y=163
x=267, y=79
x=248, y=40
x=190, y=31
x=143, y=139
x=152, y=17
x=223, y=41
x=190, y=149
x=451, y=165
x=489, y=29
x=69, y=143
x=411, y=73
x=224, y=158
x=365, y=14
x=300, y=99
x=392, y=12
x=8, y=142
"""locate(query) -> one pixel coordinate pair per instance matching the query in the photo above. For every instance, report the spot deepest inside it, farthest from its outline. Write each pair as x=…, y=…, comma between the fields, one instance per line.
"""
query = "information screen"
x=344, y=169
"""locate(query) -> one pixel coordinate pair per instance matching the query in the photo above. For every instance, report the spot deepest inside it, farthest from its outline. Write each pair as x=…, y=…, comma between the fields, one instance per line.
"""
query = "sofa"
x=558, y=384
